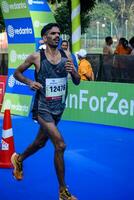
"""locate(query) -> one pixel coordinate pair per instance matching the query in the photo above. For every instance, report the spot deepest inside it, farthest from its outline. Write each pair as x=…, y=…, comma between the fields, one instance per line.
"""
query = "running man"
x=51, y=68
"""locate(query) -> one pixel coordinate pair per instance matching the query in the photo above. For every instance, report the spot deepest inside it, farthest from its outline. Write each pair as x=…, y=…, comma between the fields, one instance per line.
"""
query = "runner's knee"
x=60, y=146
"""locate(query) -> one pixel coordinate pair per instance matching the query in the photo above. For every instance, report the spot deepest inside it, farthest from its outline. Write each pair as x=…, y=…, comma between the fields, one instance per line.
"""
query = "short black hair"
x=48, y=27
x=131, y=41
x=64, y=41
x=124, y=42
x=108, y=38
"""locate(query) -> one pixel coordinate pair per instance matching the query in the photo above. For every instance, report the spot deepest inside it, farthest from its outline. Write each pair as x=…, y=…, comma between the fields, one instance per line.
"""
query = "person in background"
x=122, y=48
x=120, y=67
x=107, y=49
x=42, y=44
x=131, y=42
x=84, y=68
x=65, y=47
x=107, y=59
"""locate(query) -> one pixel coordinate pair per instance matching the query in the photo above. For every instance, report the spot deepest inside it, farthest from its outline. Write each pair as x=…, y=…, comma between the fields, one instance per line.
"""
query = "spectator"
x=131, y=42
x=84, y=69
x=65, y=47
x=42, y=44
x=120, y=67
x=122, y=48
x=107, y=59
x=107, y=49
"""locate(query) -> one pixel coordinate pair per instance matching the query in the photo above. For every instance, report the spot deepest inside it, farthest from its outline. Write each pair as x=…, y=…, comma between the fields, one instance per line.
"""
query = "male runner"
x=51, y=68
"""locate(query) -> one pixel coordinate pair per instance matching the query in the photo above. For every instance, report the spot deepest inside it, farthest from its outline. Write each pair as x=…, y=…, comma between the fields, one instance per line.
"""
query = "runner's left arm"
x=70, y=68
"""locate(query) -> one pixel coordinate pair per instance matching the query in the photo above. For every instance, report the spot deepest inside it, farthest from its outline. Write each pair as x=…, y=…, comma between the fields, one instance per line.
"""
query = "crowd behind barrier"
x=111, y=68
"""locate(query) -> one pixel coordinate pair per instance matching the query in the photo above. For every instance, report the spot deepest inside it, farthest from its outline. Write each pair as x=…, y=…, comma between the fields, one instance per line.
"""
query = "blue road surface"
x=99, y=163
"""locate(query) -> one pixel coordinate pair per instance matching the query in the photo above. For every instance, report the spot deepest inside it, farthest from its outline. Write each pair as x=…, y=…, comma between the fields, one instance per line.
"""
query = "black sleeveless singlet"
x=52, y=96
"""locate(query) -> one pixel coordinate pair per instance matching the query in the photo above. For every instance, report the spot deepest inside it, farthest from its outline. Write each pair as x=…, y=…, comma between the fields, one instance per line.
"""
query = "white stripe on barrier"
x=76, y=35
x=7, y=133
x=75, y=12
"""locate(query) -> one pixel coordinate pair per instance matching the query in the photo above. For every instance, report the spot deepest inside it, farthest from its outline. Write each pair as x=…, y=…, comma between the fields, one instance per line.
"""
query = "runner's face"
x=53, y=37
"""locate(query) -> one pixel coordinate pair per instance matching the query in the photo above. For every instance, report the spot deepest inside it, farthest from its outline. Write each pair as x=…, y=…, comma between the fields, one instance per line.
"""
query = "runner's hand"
x=35, y=85
x=69, y=66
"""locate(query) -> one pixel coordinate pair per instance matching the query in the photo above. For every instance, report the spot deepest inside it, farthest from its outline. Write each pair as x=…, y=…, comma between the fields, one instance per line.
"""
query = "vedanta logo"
x=37, y=24
x=18, y=31
x=6, y=7
x=12, y=82
x=14, y=56
x=10, y=31
x=15, y=107
x=30, y=2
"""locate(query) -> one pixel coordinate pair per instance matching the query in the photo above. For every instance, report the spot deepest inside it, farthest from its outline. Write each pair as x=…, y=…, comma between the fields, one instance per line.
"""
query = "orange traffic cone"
x=7, y=142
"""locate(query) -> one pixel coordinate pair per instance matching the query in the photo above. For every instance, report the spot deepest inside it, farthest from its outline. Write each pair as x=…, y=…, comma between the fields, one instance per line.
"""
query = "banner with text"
x=18, y=104
x=102, y=103
x=15, y=86
x=41, y=15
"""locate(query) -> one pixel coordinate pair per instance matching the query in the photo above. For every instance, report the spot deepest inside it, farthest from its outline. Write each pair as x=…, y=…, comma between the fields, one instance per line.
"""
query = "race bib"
x=55, y=88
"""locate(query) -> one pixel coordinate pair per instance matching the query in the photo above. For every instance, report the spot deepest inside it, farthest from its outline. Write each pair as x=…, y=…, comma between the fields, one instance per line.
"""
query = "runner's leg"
x=59, y=145
x=38, y=143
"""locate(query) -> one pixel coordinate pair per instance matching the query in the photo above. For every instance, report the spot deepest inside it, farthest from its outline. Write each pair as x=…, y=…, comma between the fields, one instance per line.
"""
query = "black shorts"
x=49, y=117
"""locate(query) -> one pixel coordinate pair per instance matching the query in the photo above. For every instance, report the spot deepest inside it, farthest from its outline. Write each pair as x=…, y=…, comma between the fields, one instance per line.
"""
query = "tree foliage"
x=85, y=4
x=103, y=11
x=63, y=15
x=124, y=11
x=104, y=15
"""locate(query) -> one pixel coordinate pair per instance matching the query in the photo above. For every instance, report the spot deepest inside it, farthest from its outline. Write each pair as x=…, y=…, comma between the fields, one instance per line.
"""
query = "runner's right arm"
x=18, y=74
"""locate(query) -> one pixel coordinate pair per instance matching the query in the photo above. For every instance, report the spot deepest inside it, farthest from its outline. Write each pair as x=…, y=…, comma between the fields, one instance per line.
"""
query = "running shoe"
x=18, y=168
x=66, y=195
